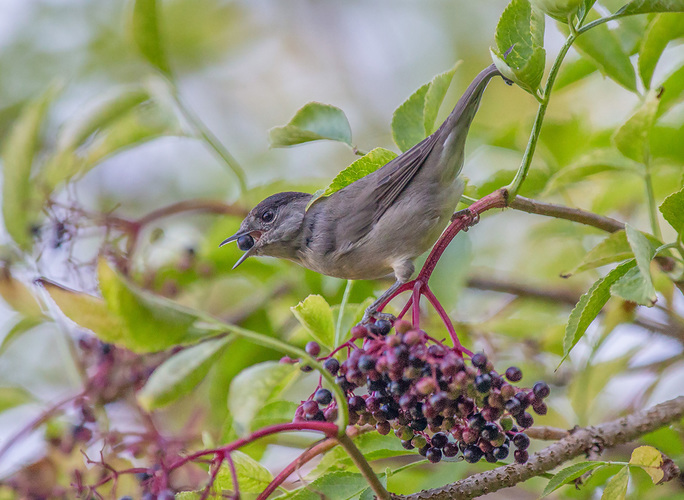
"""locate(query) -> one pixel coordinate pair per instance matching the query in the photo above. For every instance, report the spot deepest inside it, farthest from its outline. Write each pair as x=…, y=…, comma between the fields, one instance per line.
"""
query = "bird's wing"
x=364, y=208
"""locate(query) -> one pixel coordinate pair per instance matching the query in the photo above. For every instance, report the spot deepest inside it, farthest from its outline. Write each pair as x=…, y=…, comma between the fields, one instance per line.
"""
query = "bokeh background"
x=246, y=66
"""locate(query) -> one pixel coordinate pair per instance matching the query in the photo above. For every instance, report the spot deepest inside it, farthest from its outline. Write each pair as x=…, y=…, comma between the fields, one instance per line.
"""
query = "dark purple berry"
x=245, y=242
x=472, y=454
x=524, y=420
x=366, y=363
x=383, y=428
x=332, y=365
x=483, y=383
x=489, y=457
x=450, y=450
x=310, y=407
x=306, y=368
x=514, y=374
x=539, y=407
x=434, y=455
x=330, y=414
x=357, y=403
x=419, y=424
x=521, y=456
x=380, y=327
x=541, y=390
x=81, y=433
x=423, y=451
x=500, y=452
x=344, y=384
x=323, y=397
x=513, y=406
x=479, y=360
x=312, y=348
x=439, y=440
x=407, y=444
x=521, y=441
x=476, y=422
x=490, y=432
x=359, y=332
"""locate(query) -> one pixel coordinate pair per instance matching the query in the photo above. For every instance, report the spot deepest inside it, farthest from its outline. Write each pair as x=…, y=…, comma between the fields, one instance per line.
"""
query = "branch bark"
x=578, y=442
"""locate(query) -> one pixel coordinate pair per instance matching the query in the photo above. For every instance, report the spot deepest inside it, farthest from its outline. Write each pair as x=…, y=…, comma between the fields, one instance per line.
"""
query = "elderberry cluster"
x=433, y=398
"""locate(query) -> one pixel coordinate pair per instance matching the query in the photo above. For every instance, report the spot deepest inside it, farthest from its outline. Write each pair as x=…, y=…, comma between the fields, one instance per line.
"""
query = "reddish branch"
x=578, y=442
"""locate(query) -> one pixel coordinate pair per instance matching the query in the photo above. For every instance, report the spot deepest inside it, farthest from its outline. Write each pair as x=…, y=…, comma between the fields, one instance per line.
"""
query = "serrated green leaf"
x=254, y=388
x=520, y=33
x=569, y=474
x=615, y=248
x=672, y=209
x=637, y=285
x=315, y=315
x=616, y=489
x=415, y=118
x=660, y=31
x=602, y=46
x=252, y=477
x=18, y=329
x=598, y=161
x=650, y=460
x=646, y=6
x=365, y=165
x=145, y=31
x=590, y=305
x=20, y=210
x=314, y=121
x=11, y=397
x=337, y=485
x=180, y=374
x=632, y=138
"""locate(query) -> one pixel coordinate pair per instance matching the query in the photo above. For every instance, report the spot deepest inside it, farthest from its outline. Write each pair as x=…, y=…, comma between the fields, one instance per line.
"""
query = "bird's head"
x=273, y=227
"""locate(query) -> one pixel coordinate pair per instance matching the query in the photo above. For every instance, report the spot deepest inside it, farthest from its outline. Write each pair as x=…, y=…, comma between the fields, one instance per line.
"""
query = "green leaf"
x=374, y=446
x=20, y=327
x=615, y=248
x=415, y=118
x=365, y=165
x=180, y=374
x=590, y=305
x=574, y=71
x=277, y=412
x=646, y=6
x=337, y=485
x=18, y=296
x=672, y=209
x=632, y=138
x=559, y=9
x=598, y=161
x=88, y=312
x=637, y=285
x=521, y=30
x=650, y=460
x=661, y=30
x=316, y=316
x=252, y=477
x=11, y=397
x=254, y=388
x=569, y=474
x=616, y=489
x=602, y=46
x=673, y=90
x=146, y=34
x=313, y=122
x=20, y=210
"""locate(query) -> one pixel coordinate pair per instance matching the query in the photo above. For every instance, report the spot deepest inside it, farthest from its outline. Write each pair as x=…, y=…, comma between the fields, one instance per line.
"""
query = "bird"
x=377, y=225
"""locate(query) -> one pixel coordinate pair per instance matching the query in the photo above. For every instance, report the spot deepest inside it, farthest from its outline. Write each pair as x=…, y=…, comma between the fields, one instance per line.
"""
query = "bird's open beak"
x=248, y=253
x=245, y=256
x=234, y=237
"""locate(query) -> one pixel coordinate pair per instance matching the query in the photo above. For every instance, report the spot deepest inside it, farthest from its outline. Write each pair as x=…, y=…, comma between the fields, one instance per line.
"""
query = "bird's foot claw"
x=471, y=217
x=369, y=314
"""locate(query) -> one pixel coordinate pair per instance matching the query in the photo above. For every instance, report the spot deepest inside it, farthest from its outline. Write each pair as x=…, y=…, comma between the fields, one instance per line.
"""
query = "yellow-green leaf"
x=316, y=316
x=672, y=209
x=314, y=121
x=146, y=34
x=632, y=138
x=252, y=477
x=616, y=489
x=649, y=459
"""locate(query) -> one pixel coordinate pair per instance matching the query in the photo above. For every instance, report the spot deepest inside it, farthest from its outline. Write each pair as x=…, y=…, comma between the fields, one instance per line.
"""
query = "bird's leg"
x=373, y=310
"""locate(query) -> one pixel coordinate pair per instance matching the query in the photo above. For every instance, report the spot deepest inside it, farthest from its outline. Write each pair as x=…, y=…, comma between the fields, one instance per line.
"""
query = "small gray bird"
x=378, y=224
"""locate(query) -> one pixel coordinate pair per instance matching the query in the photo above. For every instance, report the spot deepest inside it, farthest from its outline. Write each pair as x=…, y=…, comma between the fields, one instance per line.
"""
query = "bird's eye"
x=267, y=216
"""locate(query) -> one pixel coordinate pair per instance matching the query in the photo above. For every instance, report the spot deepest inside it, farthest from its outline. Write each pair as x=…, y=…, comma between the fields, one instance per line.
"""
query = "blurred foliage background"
x=244, y=67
